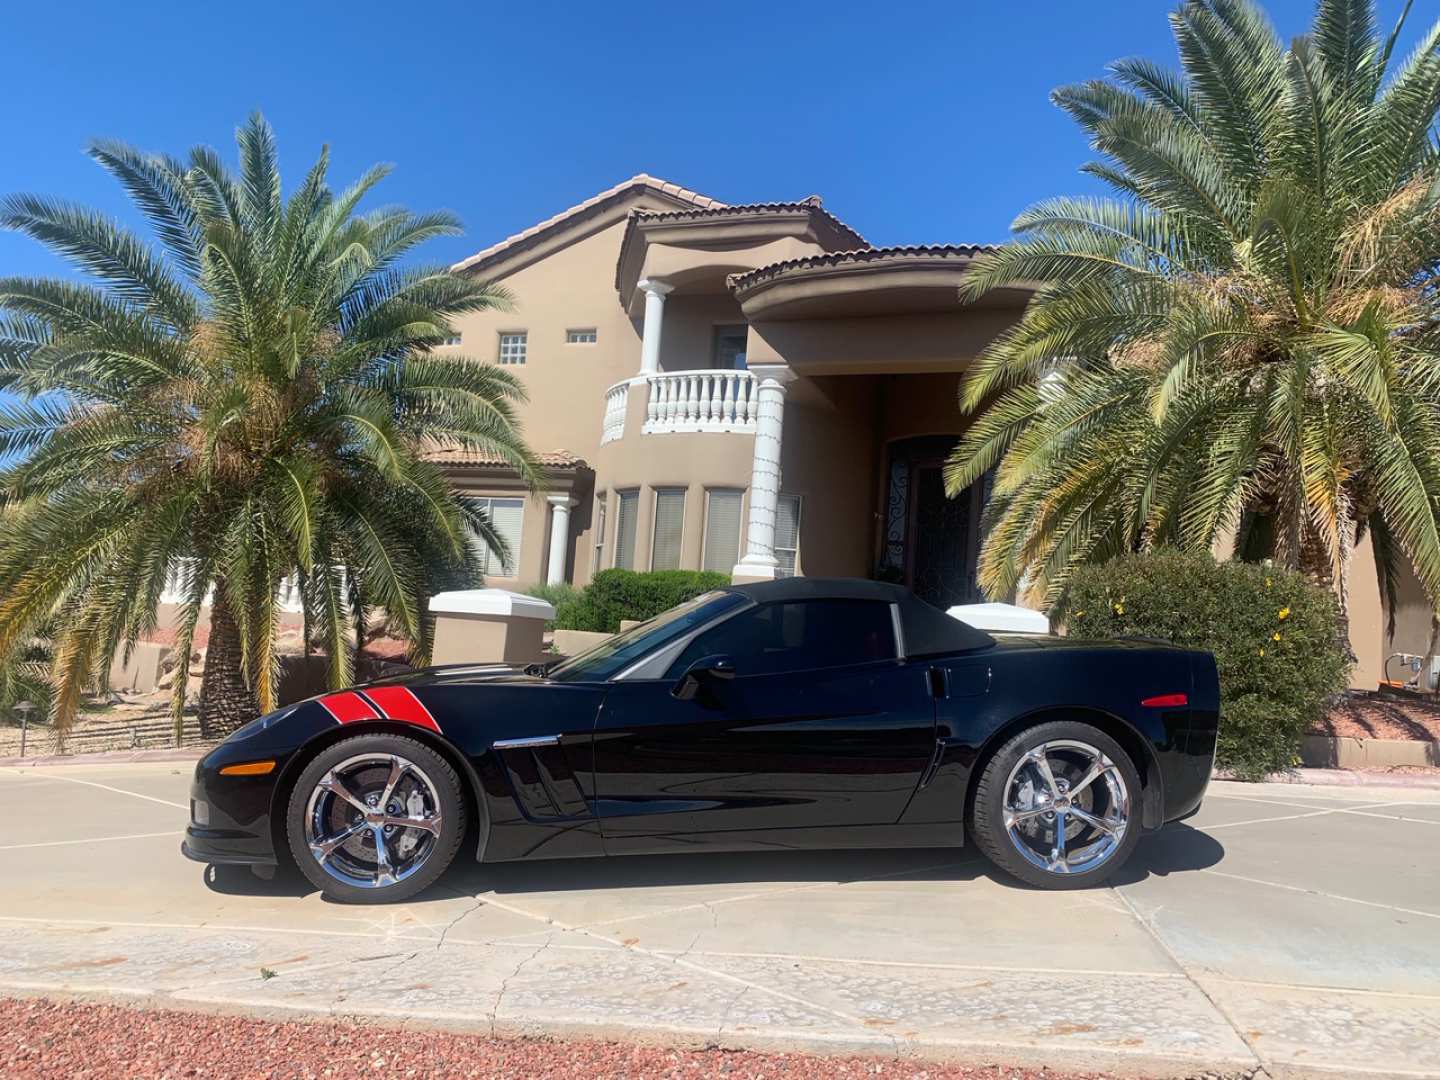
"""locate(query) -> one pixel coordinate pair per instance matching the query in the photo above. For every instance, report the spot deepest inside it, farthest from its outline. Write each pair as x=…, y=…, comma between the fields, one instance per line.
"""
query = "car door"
x=823, y=726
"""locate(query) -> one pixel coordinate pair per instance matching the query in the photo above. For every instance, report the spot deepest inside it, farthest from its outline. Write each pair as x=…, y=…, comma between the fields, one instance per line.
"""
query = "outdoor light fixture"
x=23, y=709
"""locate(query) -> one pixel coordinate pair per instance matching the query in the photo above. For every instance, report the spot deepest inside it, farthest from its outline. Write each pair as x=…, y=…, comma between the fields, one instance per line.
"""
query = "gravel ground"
x=43, y=1038
x=1383, y=716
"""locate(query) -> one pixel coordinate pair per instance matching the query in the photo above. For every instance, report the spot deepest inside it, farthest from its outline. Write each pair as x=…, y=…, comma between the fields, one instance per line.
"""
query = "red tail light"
x=1166, y=701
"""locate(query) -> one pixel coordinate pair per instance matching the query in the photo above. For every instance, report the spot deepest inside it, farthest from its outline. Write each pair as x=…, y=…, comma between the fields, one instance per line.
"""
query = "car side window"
x=797, y=636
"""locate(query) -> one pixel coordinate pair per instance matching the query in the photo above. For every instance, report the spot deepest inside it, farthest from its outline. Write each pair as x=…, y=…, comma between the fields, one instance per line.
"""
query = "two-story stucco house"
x=749, y=389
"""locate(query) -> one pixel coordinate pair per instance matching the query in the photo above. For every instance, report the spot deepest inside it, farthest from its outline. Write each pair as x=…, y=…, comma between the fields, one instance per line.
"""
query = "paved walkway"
x=1297, y=928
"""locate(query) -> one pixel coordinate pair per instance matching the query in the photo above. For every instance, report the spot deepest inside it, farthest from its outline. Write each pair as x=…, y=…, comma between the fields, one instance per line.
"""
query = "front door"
x=822, y=728
x=931, y=541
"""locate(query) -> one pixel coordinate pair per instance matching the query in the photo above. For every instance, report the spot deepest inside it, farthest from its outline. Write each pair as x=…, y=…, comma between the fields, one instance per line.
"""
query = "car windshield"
x=616, y=653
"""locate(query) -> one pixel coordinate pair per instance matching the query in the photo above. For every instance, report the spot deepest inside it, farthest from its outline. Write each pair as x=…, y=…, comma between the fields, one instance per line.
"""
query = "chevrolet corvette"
x=796, y=714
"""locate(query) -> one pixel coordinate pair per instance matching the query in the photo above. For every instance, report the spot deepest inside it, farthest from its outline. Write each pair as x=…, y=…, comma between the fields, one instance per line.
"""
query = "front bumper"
x=204, y=846
x=230, y=816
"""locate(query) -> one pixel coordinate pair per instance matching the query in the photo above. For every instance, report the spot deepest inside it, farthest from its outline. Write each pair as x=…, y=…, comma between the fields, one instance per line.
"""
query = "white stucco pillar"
x=559, y=537
x=655, y=293
x=759, y=562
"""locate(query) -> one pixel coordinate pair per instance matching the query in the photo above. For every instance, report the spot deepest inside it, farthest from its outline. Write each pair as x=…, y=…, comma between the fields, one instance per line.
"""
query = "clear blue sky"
x=917, y=123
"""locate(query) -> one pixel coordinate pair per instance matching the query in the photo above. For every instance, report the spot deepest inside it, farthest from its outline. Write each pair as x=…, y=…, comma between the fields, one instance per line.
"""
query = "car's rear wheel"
x=375, y=818
x=1058, y=805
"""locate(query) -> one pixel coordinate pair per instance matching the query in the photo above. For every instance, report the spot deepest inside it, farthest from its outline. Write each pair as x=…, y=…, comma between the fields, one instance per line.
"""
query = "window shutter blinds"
x=625, y=520
x=787, y=532
x=599, y=561
x=722, y=530
x=509, y=516
x=506, y=518
x=669, y=528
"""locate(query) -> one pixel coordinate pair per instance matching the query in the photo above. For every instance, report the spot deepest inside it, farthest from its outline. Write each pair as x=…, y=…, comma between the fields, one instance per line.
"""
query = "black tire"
x=437, y=857
x=987, y=817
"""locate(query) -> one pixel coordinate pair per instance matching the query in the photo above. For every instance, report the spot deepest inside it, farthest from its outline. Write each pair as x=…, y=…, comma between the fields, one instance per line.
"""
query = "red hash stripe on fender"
x=348, y=707
x=400, y=703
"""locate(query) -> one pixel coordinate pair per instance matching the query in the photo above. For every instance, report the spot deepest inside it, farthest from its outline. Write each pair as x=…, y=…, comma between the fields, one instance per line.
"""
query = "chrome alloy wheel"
x=1067, y=807
x=373, y=820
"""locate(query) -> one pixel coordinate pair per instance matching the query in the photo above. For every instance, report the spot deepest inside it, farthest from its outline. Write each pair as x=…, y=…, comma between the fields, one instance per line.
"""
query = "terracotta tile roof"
x=549, y=459
x=938, y=252
x=533, y=234
x=813, y=204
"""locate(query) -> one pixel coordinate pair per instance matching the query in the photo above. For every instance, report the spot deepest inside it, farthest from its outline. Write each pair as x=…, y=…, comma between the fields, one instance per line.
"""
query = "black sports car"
x=802, y=713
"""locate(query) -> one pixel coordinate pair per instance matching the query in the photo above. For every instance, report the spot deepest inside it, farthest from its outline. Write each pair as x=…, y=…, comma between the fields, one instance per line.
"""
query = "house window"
x=722, y=529
x=787, y=533
x=669, y=529
x=580, y=337
x=453, y=339
x=506, y=517
x=627, y=515
x=729, y=348
x=598, y=563
x=512, y=348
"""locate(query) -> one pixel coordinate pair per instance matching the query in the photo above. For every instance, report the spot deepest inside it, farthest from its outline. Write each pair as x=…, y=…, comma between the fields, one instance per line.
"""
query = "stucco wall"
x=573, y=288
x=829, y=457
x=694, y=461
x=902, y=342
x=688, y=337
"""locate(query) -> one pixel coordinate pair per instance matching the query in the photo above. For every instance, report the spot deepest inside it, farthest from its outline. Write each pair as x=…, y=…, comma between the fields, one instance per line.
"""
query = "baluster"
x=727, y=396
x=687, y=411
x=751, y=404
x=672, y=401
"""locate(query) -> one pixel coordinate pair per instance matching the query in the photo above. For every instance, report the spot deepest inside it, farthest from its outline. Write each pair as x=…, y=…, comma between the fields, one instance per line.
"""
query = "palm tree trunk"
x=226, y=700
x=1316, y=565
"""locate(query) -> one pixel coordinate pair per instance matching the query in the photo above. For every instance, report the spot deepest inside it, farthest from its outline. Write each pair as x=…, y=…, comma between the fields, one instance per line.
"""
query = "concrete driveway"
x=1288, y=926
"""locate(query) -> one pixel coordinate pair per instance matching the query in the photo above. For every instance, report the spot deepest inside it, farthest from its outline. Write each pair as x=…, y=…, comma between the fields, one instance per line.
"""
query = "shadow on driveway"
x=1175, y=849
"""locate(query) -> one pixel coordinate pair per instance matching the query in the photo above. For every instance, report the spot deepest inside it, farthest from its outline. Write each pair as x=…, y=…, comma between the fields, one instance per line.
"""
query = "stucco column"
x=559, y=537
x=655, y=293
x=759, y=562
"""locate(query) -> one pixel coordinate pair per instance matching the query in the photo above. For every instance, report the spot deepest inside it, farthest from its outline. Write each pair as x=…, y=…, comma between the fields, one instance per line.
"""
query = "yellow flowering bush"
x=1274, y=635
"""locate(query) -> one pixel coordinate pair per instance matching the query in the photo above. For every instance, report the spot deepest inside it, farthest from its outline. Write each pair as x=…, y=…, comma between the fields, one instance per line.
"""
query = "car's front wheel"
x=1058, y=805
x=375, y=818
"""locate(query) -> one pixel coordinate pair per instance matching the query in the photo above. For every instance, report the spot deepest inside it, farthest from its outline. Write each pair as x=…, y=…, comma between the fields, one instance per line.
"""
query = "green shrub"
x=560, y=597
x=624, y=594
x=1274, y=635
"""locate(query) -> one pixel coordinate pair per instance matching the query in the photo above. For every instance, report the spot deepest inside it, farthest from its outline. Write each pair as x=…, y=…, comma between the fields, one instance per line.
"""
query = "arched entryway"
x=929, y=543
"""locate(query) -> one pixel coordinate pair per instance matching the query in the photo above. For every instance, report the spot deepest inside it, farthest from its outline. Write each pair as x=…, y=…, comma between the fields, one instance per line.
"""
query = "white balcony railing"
x=179, y=579
x=617, y=404
x=701, y=400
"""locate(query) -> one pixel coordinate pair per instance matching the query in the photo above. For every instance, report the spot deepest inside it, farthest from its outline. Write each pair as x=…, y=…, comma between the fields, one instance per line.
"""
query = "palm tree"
x=250, y=399
x=1246, y=336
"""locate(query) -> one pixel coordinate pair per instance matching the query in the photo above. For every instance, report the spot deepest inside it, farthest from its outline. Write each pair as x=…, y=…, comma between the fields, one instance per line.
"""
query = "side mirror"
x=707, y=667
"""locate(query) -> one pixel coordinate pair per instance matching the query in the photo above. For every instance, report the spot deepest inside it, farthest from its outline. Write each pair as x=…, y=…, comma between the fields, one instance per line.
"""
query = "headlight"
x=254, y=727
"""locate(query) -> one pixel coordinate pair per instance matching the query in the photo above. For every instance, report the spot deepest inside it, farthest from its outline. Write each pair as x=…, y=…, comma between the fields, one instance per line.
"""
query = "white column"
x=559, y=537
x=759, y=562
x=655, y=293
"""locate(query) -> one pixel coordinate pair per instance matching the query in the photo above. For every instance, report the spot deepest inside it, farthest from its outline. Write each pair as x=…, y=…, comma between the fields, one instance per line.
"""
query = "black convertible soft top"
x=928, y=631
